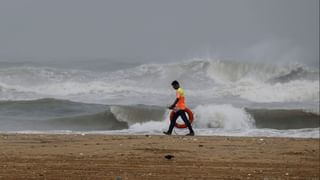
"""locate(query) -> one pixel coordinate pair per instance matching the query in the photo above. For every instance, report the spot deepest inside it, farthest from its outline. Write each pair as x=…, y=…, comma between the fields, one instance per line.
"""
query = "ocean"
x=228, y=98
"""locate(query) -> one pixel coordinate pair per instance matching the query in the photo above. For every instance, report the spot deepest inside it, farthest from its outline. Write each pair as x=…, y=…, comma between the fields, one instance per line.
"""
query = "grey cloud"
x=159, y=30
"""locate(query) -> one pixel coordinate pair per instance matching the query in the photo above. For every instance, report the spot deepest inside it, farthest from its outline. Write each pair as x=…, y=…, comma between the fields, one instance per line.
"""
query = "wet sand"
x=148, y=157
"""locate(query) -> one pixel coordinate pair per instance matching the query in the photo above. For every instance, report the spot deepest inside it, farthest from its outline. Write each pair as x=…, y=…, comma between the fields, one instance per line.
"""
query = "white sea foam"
x=210, y=119
x=206, y=116
x=150, y=127
x=295, y=133
x=227, y=71
x=294, y=91
x=223, y=88
x=222, y=116
x=150, y=83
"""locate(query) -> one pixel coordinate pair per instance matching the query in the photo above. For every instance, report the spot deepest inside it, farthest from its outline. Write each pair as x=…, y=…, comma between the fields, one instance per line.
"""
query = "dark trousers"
x=184, y=118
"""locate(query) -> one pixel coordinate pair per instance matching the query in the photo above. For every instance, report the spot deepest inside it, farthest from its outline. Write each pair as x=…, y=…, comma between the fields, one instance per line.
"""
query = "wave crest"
x=201, y=78
x=222, y=116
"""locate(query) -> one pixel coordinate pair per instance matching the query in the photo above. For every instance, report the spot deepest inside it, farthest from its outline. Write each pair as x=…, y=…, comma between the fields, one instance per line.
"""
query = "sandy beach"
x=27, y=156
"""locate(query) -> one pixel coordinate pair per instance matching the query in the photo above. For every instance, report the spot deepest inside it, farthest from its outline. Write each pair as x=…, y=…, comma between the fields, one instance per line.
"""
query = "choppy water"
x=227, y=98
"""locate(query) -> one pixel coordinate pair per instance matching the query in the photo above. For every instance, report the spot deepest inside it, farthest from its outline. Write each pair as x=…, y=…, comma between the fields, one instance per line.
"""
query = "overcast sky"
x=259, y=30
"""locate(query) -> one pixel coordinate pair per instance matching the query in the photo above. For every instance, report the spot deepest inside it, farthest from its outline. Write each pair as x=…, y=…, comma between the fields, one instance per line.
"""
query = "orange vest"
x=180, y=95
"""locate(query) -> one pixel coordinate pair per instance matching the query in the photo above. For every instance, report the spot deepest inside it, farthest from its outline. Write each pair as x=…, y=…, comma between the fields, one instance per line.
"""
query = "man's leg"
x=173, y=122
x=186, y=121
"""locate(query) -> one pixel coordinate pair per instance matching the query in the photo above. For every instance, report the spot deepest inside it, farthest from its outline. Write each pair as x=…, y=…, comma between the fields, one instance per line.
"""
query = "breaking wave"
x=202, y=79
x=227, y=98
x=52, y=114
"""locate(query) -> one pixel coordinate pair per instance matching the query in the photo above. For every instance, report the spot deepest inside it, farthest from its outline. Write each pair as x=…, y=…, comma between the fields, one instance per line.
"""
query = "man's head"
x=175, y=84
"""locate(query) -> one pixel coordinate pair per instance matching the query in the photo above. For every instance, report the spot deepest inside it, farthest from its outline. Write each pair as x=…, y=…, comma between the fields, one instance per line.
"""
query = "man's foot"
x=190, y=134
x=166, y=133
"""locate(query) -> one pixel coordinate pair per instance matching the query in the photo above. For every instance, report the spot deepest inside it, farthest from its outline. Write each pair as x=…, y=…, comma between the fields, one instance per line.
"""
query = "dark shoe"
x=167, y=133
x=190, y=134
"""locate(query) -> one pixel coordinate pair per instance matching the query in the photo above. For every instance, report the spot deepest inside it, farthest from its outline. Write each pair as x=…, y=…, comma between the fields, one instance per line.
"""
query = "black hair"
x=175, y=82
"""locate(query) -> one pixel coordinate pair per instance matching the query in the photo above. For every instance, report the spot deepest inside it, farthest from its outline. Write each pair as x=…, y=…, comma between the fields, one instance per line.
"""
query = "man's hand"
x=174, y=104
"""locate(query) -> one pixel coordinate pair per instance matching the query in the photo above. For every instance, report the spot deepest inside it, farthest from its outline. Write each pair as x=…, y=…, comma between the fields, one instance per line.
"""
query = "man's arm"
x=174, y=104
